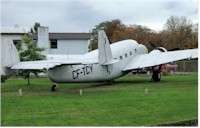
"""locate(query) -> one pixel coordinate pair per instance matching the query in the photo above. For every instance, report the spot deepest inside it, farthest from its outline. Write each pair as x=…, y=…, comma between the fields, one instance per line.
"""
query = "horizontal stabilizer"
x=111, y=62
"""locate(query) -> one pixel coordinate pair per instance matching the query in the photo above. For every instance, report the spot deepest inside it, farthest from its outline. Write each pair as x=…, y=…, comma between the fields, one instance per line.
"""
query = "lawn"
x=129, y=101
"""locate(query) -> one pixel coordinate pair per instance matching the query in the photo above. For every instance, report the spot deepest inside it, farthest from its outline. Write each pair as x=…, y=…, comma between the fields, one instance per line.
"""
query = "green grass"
x=124, y=103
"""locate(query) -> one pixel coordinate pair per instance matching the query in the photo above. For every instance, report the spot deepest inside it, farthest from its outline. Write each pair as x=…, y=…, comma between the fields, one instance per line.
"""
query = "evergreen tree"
x=30, y=53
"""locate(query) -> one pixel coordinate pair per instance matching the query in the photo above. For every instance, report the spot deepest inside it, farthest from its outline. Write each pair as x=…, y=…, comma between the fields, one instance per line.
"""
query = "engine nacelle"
x=162, y=49
x=158, y=50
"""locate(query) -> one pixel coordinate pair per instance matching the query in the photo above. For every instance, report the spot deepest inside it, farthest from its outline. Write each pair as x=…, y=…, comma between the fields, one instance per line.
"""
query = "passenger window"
x=126, y=55
x=120, y=57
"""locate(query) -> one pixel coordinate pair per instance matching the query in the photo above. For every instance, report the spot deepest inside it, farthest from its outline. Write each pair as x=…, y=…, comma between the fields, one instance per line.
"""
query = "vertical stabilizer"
x=9, y=56
x=105, y=54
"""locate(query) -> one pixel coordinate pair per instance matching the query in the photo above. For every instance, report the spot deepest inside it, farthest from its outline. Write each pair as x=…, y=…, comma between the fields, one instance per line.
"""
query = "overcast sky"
x=83, y=15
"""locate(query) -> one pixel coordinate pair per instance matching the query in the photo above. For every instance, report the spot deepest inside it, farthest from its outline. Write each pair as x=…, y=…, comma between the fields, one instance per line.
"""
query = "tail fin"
x=9, y=56
x=105, y=54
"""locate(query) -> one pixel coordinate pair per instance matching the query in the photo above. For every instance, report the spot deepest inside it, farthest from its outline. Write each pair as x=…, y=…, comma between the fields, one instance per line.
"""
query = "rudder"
x=9, y=56
x=105, y=54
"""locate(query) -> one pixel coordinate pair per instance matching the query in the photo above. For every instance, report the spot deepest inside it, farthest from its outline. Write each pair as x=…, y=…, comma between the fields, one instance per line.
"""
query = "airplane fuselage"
x=123, y=51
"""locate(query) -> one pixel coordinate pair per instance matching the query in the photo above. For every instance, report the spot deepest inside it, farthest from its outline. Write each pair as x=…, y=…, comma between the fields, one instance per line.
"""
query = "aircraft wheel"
x=156, y=76
x=54, y=87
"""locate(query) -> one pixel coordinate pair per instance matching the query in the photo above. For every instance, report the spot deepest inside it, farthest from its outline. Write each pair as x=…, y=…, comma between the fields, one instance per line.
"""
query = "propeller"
x=153, y=45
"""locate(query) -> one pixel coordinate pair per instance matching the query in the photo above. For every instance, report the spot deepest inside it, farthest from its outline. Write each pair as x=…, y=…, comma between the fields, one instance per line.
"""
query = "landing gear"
x=54, y=87
x=156, y=74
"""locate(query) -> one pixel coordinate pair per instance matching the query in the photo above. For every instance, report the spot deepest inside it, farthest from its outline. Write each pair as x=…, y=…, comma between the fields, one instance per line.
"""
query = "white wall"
x=43, y=39
x=13, y=37
x=73, y=47
x=70, y=47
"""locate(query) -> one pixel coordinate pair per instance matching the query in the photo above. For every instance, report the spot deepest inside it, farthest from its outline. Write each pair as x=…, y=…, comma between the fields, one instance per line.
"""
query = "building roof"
x=66, y=36
x=14, y=30
x=70, y=36
x=52, y=36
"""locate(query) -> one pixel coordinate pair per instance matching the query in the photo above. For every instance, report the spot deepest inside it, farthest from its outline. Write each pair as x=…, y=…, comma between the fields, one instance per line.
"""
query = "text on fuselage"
x=85, y=70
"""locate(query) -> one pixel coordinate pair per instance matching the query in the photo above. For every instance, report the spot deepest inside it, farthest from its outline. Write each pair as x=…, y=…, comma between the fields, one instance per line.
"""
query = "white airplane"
x=106, y=63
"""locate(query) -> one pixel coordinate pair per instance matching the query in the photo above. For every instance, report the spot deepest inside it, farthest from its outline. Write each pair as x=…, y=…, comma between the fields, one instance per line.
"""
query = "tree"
x=195, y=35
x=178, y=32
x=141, y=34
x=112, y=26
x=35, y=27
x=30, y=53
x=117, y=31
x=109, y=27
x=94, y=40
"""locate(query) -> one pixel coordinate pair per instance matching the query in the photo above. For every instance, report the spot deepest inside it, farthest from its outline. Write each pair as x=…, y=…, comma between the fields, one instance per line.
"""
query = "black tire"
x=54, y=88
x=2, y=80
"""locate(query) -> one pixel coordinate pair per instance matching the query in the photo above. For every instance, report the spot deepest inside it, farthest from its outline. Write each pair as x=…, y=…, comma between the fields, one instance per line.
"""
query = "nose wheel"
x=54, y=87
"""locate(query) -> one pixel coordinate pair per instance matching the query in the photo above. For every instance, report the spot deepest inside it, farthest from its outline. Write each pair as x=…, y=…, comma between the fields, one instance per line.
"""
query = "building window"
x=54, y=44
x=18, y=44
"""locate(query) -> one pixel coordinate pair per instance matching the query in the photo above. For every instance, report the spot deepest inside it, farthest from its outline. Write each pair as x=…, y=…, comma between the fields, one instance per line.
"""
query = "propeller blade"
x=174, y=49
x=153, y=45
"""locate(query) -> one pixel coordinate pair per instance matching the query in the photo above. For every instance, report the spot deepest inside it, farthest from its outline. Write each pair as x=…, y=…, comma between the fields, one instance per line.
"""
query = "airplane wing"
x=148, y=60
x=46, y=64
